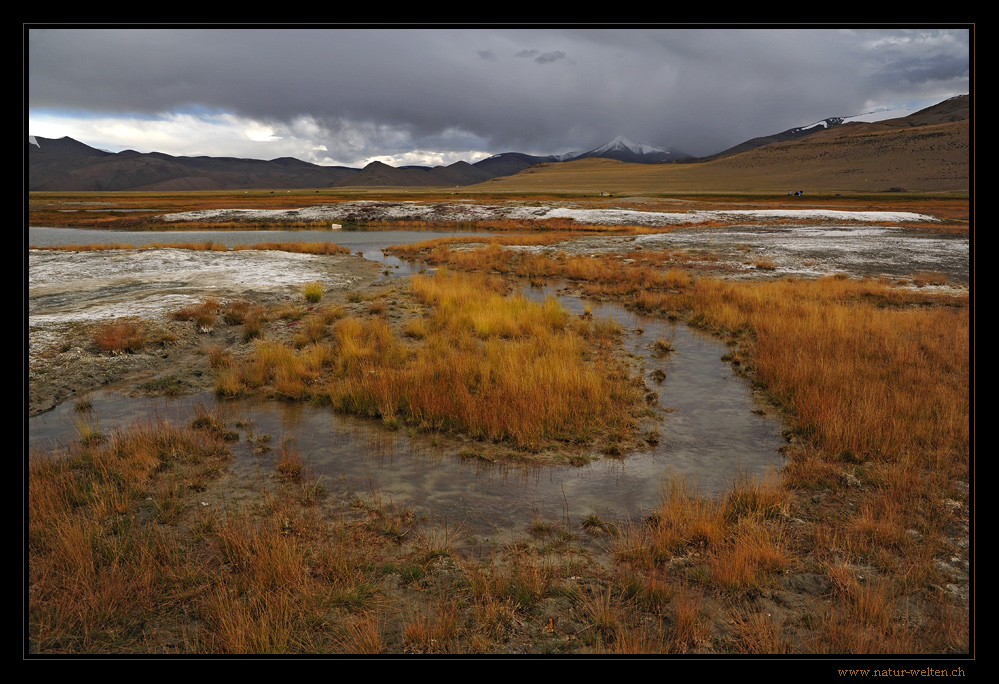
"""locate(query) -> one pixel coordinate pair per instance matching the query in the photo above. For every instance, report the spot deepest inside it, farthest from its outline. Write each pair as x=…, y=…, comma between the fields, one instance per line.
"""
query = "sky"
x=429, y=96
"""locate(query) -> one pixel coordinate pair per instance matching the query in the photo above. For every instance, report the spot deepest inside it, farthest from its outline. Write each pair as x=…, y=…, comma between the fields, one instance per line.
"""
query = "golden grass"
x=253, y=323
x=492, y=366
x=849, y=360
x=298, y=247
x=93, y=568
x=313, y=292
x=120, y=549
x=643, y=271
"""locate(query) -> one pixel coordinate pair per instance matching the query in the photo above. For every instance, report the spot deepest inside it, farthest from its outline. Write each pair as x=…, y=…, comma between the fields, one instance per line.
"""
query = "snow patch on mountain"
x=624, y=143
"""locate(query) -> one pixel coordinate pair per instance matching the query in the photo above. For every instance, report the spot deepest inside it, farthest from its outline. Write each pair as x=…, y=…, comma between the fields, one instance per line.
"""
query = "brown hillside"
x=862, y=158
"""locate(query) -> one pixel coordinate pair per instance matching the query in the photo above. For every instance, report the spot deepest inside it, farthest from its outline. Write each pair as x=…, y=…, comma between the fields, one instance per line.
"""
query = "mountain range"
x=66, y=165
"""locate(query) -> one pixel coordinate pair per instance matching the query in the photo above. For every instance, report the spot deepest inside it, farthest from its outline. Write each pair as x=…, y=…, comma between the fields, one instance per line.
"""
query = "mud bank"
x=70, y=293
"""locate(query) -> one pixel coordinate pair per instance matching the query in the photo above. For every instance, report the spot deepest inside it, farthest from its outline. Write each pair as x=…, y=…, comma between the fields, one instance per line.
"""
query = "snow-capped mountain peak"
x=624, y=148
x=622, y=142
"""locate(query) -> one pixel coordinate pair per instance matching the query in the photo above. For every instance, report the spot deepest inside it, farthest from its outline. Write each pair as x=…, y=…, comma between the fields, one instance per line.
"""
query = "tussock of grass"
x=253, y=323
x=203, y=314
x=121, y=336
x=236, y=311
x=313, y=292
x=312, y=330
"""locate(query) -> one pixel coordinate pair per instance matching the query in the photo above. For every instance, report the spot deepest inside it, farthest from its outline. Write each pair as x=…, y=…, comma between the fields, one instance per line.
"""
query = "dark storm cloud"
x=549, y=57
x=361, y=93
x=541, y=57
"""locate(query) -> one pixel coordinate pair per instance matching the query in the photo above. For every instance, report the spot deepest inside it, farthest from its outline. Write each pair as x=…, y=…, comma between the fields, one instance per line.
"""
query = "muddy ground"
x=72, y=293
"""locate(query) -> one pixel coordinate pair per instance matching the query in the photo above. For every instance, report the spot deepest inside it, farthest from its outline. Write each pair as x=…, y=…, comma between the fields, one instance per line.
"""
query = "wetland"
x=714, y=499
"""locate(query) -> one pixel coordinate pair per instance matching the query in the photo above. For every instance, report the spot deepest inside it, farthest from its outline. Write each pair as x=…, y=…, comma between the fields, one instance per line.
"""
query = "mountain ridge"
x=66, y=164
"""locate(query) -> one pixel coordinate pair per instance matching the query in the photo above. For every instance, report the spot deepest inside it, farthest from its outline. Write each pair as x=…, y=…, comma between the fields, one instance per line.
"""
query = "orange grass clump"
x=122, y=336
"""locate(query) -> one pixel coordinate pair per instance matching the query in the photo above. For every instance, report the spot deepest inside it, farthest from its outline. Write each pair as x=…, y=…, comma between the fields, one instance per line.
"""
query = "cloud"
x=346, y=95
x=541, y=57
x=549, y=57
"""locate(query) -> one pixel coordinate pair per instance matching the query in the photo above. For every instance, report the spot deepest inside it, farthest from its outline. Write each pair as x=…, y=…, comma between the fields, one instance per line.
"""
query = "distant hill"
x=783, y=136
x=950, y=110
x=68, y=165
x=380, y=174
x=830, y=149
x=65, y=164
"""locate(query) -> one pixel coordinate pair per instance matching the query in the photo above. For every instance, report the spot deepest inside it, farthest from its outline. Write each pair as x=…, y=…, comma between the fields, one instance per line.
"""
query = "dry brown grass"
x=298, y=247
x=121, y=336
x=122, y=552
x=94, y=568
x=203, y=314
x=644, y=270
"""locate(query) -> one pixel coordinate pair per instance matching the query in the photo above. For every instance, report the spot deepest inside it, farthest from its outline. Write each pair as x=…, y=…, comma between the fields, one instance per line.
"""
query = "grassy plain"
x=856, y=548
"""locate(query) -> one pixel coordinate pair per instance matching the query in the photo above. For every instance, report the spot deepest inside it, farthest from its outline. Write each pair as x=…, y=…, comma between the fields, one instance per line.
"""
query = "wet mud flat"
x=71, y=293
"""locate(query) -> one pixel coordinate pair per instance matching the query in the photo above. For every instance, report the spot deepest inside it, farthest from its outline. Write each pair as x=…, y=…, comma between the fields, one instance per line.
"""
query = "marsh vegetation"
x=139, y=543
